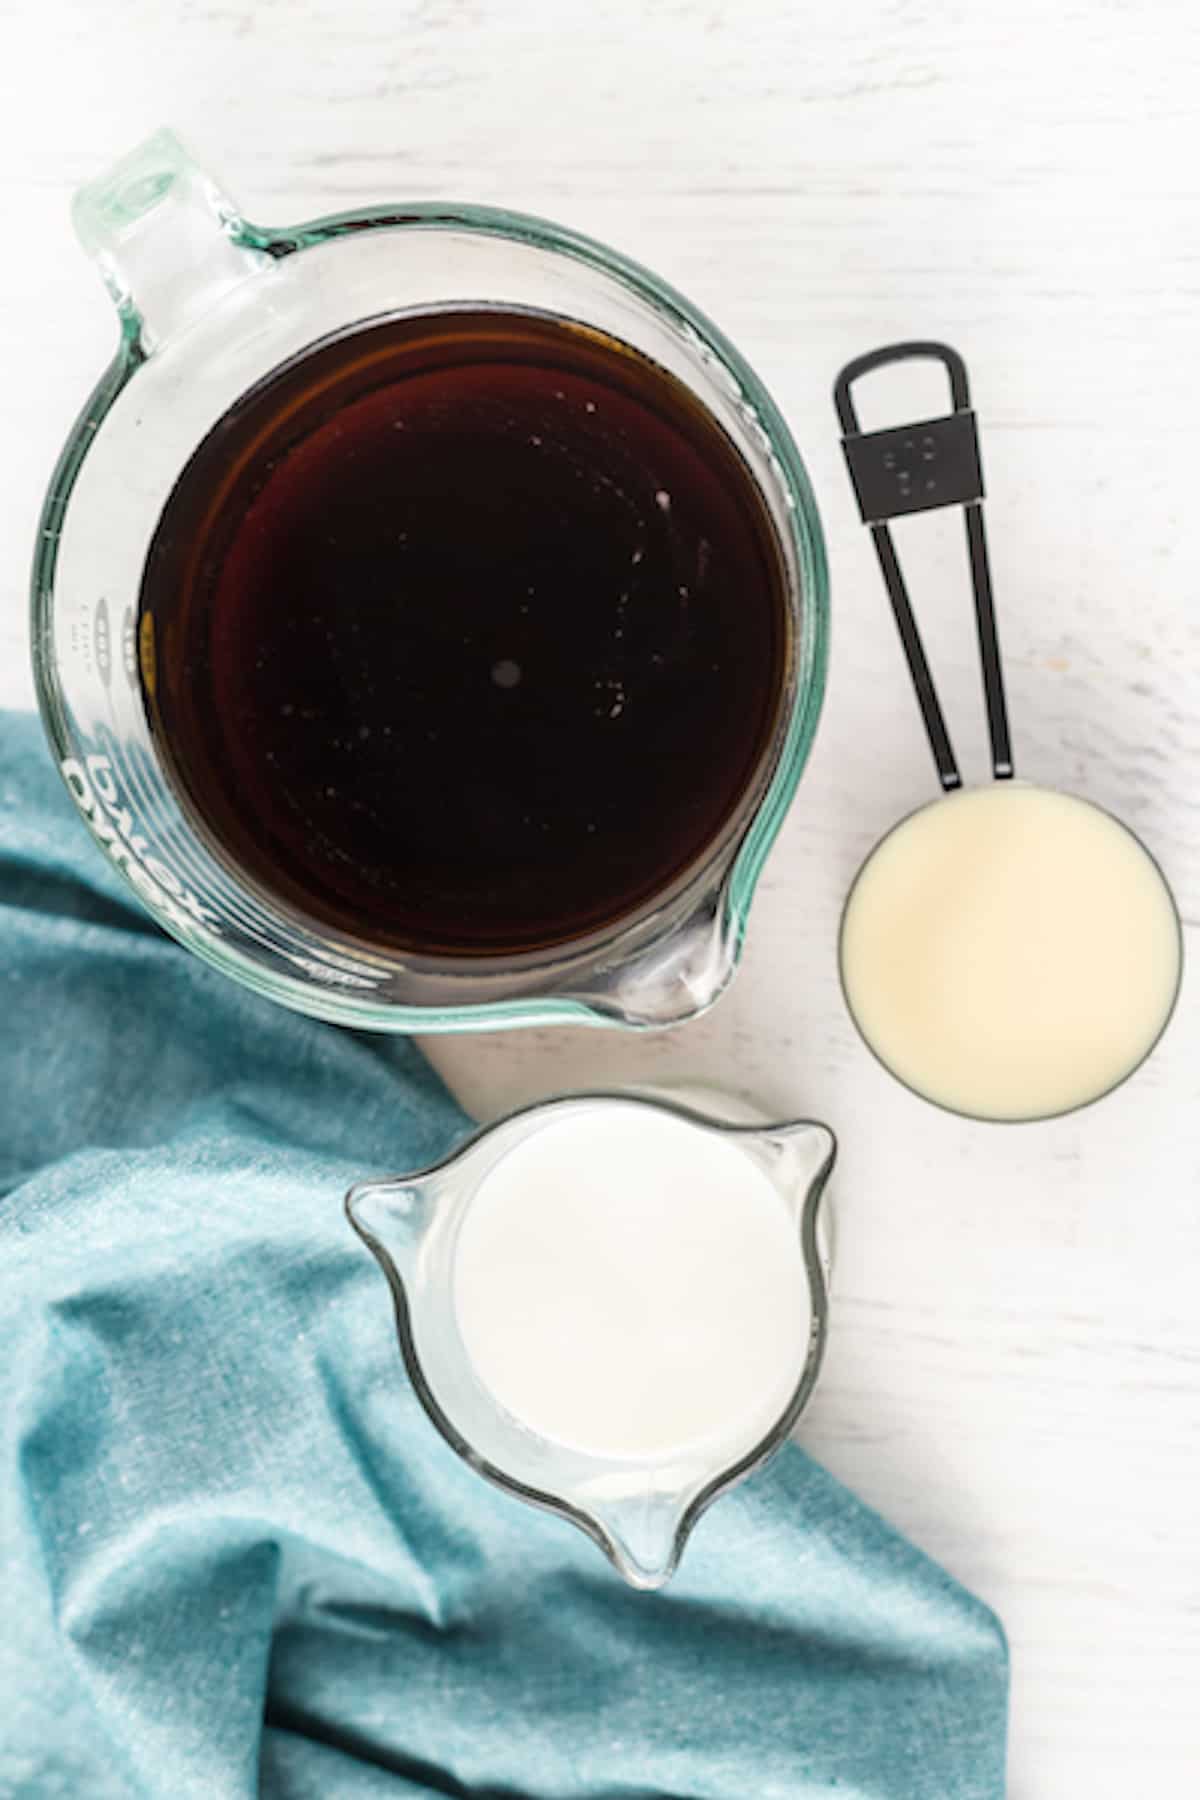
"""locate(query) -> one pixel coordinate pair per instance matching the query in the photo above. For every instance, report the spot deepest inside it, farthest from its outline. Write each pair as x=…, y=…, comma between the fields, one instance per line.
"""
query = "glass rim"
x=797, y=727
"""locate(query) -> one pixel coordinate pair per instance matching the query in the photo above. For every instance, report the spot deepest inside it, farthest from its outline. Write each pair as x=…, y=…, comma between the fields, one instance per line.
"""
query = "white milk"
x=631, y=1285
x=1010, y=951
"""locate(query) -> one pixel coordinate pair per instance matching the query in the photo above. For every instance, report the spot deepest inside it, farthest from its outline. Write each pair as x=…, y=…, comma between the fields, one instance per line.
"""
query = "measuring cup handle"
x=921, y=467
x=168, y=242
x=954, y=365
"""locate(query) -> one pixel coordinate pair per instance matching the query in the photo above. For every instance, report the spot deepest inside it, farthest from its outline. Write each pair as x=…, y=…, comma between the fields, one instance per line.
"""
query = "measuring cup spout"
x=802, y=1156
x=641, y=1536
x=675, y=979
x=392, y=1217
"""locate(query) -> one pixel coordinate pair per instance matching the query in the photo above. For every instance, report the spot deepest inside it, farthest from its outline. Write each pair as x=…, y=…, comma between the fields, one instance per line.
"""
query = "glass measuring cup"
x=638, y=1509
x=209, y=305
x=1010, y=952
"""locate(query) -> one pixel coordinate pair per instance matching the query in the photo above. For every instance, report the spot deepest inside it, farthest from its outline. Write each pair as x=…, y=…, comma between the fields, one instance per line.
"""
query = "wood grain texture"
x=1014, y=1376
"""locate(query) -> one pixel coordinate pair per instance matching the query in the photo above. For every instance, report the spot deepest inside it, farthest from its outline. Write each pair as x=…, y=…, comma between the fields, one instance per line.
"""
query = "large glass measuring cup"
x=209, y=305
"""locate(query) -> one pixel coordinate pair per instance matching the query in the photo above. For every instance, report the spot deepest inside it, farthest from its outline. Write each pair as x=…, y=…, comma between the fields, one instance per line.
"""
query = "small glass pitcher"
x=639, y=1510
x=210, y=305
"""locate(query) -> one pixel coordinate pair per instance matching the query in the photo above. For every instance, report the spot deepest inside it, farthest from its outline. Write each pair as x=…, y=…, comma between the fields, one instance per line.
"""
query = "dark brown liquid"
x=468, y=632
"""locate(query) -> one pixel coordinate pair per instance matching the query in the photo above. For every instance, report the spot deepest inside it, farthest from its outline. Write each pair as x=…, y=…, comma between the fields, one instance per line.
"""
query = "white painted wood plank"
x=1015, y=1370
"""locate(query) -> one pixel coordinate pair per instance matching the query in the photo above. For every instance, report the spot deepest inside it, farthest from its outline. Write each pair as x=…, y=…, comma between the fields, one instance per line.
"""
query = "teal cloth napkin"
x=235, y=1558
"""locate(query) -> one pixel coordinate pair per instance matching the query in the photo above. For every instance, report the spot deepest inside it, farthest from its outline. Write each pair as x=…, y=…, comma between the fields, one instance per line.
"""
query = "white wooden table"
x=1014, y=1376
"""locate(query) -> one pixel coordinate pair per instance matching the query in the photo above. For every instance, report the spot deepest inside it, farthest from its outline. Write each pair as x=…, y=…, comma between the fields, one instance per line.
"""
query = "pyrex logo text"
x=98, y=798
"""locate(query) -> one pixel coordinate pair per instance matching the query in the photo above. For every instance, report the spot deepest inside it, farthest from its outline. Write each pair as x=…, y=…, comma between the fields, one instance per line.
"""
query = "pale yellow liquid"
x=1010, y=952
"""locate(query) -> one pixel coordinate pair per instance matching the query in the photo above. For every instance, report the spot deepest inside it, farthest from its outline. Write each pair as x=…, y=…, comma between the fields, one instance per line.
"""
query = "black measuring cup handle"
x=921, y=467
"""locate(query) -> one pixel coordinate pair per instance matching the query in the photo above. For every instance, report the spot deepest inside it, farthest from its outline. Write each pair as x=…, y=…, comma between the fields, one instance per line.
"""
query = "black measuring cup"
x=1008, y=951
